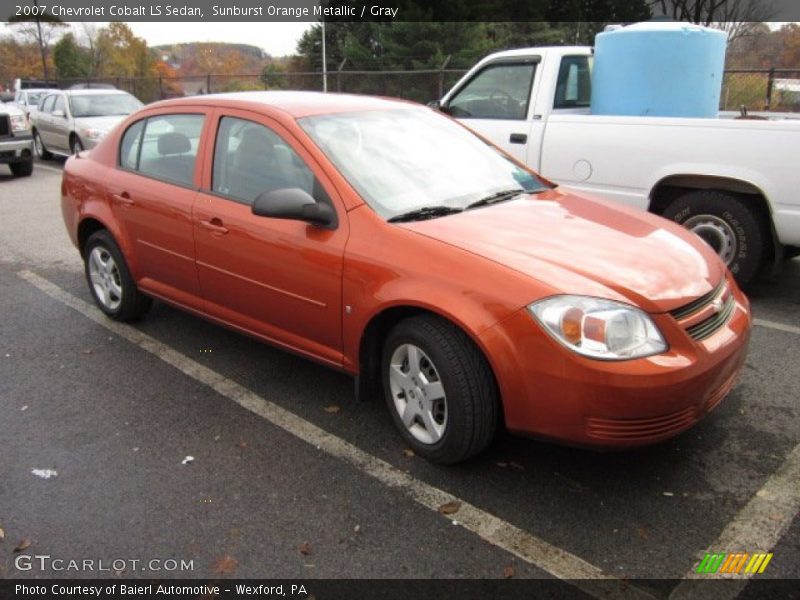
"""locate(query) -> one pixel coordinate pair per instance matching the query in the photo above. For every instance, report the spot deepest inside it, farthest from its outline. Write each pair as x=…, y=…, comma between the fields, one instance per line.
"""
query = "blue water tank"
x=660, y=69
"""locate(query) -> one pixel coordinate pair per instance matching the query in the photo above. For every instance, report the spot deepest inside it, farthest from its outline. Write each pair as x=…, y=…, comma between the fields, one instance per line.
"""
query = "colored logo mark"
x=736, y=562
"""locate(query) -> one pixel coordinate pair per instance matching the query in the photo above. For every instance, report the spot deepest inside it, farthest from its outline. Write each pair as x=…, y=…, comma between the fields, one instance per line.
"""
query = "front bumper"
x=16, y=149
x=550, y=392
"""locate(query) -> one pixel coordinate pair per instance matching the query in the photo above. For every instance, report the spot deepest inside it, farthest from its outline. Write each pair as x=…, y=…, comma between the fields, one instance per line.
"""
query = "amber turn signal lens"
x=571, y=325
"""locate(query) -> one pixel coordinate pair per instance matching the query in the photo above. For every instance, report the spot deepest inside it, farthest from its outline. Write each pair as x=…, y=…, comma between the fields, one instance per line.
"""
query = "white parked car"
x=733, y=182
x=68, y=121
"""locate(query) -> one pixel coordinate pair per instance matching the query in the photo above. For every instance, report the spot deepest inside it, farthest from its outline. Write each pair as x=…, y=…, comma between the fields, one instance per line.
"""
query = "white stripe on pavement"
x=756, y=528
x=496, y=531
x=778, y=326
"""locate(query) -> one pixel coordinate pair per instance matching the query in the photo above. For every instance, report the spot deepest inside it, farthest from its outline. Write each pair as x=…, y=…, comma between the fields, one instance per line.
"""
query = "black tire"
x=22, y=169
x=750, y=241
x=132, y=304
x=75, y=144
x=39, y=146
x=469, y=387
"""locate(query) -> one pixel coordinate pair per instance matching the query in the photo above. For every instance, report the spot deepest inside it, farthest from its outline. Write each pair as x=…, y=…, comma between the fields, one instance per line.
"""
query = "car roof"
x=295, y=104
x=89, y=92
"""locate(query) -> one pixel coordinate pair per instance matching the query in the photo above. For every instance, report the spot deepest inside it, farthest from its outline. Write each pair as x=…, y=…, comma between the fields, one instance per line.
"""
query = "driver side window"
x=500, y=91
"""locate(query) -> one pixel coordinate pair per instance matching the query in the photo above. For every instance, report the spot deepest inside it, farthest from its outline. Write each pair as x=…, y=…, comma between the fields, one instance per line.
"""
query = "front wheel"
x=439, y=389
x=110, y=281
x=22, y=169
x=732, y=227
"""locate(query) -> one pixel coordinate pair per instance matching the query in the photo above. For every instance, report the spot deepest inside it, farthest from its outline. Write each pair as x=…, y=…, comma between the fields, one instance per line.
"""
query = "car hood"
x=104, y=123
x=578, y=245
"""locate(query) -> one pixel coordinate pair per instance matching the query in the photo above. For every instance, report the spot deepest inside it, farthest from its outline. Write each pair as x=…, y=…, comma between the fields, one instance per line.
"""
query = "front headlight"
x=598, y=328
x=19, y=123
x=94, y=134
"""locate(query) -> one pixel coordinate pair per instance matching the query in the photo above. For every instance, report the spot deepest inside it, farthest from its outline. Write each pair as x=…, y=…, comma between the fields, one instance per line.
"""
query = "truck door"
x=496, y=103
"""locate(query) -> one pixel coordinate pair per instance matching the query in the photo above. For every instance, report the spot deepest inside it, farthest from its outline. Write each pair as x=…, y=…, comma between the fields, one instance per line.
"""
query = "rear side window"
x=47, y=104
x=163, y=147
x=574, y=83
x=60, y=104
x=129, y=147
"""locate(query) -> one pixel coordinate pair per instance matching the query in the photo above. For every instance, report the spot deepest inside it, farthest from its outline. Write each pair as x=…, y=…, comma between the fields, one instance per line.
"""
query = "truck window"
x=500, y=91
x=574, y=83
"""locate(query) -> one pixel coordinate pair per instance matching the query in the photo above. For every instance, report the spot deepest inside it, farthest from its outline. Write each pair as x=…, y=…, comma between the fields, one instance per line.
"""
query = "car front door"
x=495, y=102
x=151, y=195
x=279, y=279
x=59, y=125
x=43, y=118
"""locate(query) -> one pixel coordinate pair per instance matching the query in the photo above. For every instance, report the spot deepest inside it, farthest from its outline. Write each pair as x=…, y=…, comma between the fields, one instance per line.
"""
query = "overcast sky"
x=277, y=39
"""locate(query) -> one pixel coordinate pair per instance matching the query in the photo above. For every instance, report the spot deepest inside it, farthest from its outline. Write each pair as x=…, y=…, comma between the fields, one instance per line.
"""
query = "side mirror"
x=295, y=204
x=58, y=113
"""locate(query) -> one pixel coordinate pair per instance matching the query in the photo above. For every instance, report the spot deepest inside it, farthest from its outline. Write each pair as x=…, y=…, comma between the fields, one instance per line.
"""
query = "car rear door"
x=152, y=194
x=279, y=279
x=59, y=126
x=43, y=119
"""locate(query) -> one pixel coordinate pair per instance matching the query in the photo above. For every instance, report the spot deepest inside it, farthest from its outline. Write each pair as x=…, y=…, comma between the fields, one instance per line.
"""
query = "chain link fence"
x=756, y=90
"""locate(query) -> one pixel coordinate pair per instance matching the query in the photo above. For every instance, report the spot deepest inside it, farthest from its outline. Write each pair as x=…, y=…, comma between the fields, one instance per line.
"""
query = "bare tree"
x=736, y=17
x=90, y=37
x=38, y=28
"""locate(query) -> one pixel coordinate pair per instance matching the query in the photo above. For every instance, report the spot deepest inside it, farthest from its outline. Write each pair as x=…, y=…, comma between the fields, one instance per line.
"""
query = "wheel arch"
x=374, y=333
x=86, y=228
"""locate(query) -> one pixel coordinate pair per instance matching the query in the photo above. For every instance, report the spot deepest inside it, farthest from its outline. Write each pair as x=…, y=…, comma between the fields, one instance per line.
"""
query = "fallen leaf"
x=2, y=534
x=667, y=494
x=357, y=528
x=187, y=460
x=332, y=409
x=242, y=444
x=225, y=565
x=408, y=453
x=642, y=532
x=23, y=545
x=87, y=351
x=304, y=548
x=448, y=508
x=509, y=572
x=771, y=518
x=502, y=464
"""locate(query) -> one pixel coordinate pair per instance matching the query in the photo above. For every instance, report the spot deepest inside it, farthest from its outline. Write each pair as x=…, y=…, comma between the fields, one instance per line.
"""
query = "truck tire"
x=22, y=169
x=734, y=229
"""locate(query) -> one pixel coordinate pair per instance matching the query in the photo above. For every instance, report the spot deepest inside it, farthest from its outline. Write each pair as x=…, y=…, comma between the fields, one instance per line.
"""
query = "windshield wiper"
x=497, y=197
x=426, y=212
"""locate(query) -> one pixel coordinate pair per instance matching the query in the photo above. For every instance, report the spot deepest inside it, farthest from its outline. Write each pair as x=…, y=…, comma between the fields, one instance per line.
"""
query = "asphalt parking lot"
x=291, y=478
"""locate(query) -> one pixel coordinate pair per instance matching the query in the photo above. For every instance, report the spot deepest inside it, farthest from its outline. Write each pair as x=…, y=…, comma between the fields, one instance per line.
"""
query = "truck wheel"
x=439, y=389
x=726, y=223
x=38, y=145
x=22, y=169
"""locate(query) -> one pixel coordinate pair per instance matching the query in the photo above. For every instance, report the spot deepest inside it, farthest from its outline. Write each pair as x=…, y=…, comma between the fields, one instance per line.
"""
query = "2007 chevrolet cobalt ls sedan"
x=386, y=240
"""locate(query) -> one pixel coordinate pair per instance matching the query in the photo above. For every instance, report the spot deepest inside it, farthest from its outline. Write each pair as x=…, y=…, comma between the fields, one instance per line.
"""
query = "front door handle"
x=518, y=138
x=214, y=226
x=124, y=199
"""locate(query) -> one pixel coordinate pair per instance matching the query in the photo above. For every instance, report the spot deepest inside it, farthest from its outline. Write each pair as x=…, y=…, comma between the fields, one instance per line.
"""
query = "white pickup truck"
x=735, y=182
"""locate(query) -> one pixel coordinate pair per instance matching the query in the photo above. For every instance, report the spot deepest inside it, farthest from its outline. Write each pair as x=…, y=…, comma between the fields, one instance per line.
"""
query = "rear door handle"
x=215, y=226
x=518, y=138
x=124, y=199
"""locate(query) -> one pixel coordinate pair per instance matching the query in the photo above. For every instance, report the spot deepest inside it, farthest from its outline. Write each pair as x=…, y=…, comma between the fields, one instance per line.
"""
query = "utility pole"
x=324, y=60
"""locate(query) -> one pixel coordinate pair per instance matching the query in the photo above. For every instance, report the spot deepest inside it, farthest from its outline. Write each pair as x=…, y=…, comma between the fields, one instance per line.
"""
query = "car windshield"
x=101, y=105
x=406, y=160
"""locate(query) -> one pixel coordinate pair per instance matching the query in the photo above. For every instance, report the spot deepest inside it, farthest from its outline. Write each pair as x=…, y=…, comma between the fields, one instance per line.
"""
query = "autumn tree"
x=39, y=29
x=124, y=54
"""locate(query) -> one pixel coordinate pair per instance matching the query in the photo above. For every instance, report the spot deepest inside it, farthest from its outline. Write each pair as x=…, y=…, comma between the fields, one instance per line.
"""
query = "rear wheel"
x=75, y=145
x=22, y=169
x=734, y=229
x=110, y=281
x=38, y=145
x=439, y=389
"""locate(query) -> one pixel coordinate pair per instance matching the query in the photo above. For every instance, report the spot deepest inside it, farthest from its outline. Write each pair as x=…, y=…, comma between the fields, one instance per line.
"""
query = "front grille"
x=707, y=314
x=706, y=328
x=640, y=429
x=5, y=126
x=696, y=305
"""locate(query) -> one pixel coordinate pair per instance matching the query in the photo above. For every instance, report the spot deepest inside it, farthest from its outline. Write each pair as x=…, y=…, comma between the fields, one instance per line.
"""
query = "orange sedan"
x=386, y=240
